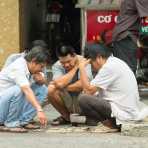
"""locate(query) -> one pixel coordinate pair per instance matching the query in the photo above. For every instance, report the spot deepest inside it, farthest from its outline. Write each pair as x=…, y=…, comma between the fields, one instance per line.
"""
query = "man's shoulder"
x=57, y=64
x=58, y=68
x=19, y=64
x=20, y=60
x=116, y=66
x=112, y=64
x=15, y=69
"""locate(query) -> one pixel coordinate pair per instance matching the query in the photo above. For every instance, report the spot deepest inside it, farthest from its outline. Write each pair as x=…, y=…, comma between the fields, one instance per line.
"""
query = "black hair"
x=92, y=50
x=64, y=50
x=41, y=43
x=34, y=43
x=39, y=54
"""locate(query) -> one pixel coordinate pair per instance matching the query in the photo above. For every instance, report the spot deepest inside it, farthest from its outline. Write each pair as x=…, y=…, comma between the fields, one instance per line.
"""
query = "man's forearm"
x=84, y=79
x=64, y=80
x=87, y=87
x=75, y=87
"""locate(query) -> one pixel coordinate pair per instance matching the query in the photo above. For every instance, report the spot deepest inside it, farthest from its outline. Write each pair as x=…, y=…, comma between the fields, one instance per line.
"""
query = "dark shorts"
x=70, y=101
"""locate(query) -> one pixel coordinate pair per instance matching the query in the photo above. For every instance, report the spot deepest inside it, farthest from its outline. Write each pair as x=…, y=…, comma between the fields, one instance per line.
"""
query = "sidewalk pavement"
x=139, y=129
x=46, y=139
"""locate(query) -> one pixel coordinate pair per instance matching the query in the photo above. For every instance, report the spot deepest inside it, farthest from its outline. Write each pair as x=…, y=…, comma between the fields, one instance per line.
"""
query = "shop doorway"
x=54, y=21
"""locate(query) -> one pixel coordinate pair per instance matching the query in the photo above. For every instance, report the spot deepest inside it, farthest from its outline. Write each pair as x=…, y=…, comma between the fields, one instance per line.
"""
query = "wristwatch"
x=40, y=110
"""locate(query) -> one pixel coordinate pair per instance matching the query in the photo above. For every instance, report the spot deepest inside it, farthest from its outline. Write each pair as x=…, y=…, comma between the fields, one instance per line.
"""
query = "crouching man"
x=112, y=96
x=15, y=91
x=66, y=86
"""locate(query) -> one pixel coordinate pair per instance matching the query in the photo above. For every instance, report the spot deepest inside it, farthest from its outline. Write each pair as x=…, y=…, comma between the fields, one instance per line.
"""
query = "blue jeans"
x=15, y=110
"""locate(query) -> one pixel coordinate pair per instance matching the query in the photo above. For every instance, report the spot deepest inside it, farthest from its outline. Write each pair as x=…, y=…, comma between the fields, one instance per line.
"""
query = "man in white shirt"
x=15, y=89
x=112, y=96
x=38, y=84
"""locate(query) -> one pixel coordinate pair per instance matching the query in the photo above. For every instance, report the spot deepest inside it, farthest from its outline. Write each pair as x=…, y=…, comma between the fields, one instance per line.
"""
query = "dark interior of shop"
x=54, y=21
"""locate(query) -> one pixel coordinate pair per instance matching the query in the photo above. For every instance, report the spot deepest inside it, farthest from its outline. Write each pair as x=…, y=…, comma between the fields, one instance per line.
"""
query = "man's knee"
x=52, y=92
x=41, y=92
x=51, y=89
x=83, y=100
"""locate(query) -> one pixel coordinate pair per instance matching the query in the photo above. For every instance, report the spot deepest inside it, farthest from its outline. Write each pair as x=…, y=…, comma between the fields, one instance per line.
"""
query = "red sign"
x=99, y=21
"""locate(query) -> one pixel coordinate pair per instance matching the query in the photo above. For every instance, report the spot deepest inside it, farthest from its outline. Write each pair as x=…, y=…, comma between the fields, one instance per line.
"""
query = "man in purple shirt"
x=126, y=32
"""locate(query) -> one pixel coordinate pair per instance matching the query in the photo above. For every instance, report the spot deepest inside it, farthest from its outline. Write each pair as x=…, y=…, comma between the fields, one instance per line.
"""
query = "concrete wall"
x=9, y=28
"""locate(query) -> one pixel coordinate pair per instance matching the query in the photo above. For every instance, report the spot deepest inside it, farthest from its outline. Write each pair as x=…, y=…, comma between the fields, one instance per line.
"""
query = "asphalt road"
x=50, y=140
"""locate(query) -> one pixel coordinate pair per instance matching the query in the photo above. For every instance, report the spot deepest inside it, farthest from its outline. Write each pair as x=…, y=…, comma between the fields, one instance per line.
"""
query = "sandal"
x=31, y=126
x=33, y=122
x=60, y=121
x=104, y=129
x=13, y=129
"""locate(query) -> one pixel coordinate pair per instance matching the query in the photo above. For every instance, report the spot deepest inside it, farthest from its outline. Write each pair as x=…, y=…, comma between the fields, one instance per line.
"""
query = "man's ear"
x=33, y=60
x=98, y=57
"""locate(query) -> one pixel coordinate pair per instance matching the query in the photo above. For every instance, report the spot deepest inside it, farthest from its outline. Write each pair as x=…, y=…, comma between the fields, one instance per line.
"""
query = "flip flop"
x=104, y=129
x=59, y=121
x=13, y=129
x=31, y=126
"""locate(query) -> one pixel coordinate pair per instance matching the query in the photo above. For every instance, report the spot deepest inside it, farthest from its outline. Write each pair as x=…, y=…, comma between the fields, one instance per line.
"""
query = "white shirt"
x=119, y=87
x=12, y=58
x=16, y=73
x=15, y=56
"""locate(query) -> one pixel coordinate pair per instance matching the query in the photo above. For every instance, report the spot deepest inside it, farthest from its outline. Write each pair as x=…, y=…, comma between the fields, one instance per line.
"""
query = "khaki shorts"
x=70, y=101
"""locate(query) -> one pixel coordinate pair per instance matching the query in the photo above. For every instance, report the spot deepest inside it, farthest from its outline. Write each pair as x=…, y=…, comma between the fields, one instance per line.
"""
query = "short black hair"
x=39, y=54
x=64, y=50
x=41, y=43
x=92, y=50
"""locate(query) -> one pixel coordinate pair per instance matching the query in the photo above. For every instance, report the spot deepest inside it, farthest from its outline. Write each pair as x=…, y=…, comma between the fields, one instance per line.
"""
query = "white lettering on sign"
x=115, y=19
x=146, y=20
x=106, y=19
x=145, y=29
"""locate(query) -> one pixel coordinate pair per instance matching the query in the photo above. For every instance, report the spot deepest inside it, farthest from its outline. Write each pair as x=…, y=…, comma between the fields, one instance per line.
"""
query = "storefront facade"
x=96, y=17
x=23, y=21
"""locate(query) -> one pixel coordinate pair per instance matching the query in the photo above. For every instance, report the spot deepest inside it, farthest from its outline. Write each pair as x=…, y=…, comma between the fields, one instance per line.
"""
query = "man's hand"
x=79, y=59
x=39, y=78
x=83, y=62
x=75, y=87
x=42, y=118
